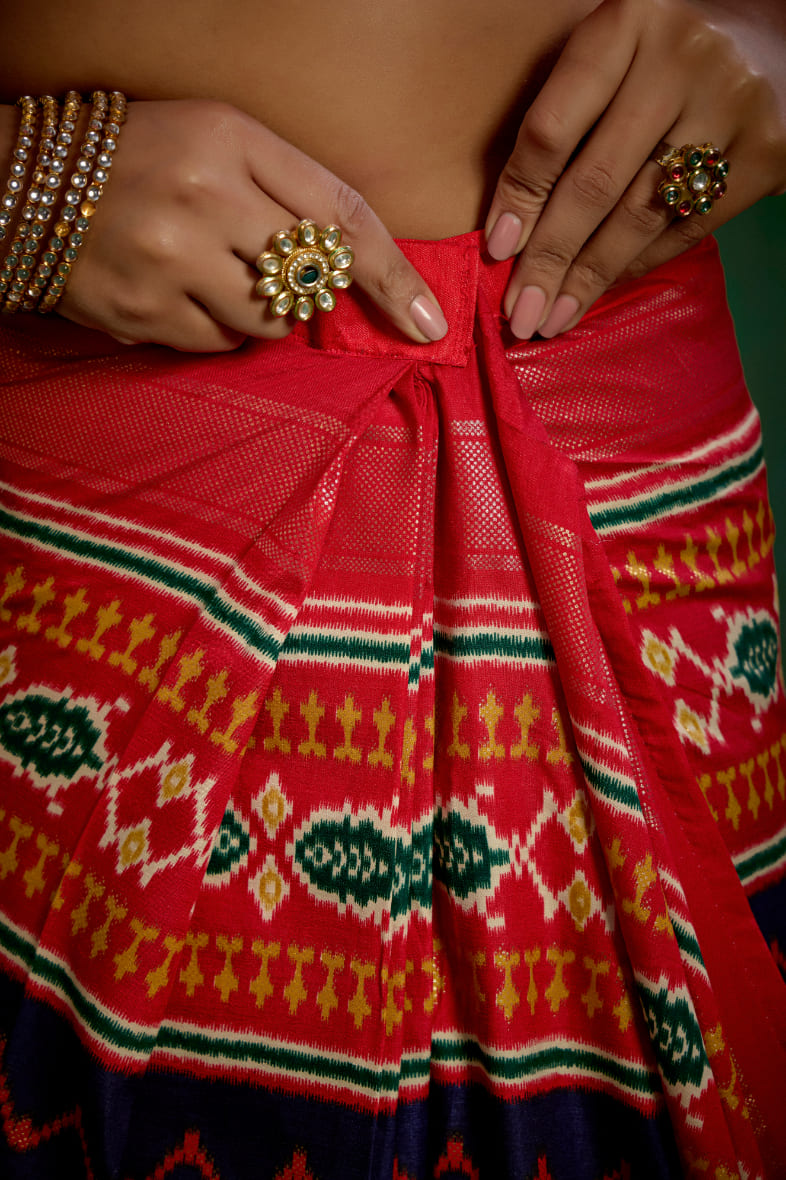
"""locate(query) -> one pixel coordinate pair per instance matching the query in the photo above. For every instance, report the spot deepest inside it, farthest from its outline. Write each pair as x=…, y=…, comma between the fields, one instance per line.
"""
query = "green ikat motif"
x=468, y=861
x=676, y=1036
x=753, y=656
x=363, y=862
x=230, y=847
x=55, y=739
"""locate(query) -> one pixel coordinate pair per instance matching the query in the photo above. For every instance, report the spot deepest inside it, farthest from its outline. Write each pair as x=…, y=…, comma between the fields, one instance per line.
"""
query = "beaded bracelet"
x=28, y=282
x=10, y=283
x=56, y=161
x=65, y=134
x=19, y=160
x=90, y=175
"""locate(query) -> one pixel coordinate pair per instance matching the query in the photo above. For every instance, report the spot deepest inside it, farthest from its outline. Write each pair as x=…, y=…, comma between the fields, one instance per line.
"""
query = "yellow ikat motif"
x=703, y=562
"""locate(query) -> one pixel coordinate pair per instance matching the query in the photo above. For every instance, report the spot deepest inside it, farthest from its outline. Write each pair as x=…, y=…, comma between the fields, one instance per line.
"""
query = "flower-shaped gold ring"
x=695, y=178
x=303, y=269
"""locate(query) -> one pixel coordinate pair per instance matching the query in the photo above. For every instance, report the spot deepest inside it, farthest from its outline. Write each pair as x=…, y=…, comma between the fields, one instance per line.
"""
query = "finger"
x=599, y=186
x=228, y=293
x=579, y=89
x=639, y=220
x=298, y=183
x=604, y=212
x=152, y=318
x=195, y=329
x=684, y=232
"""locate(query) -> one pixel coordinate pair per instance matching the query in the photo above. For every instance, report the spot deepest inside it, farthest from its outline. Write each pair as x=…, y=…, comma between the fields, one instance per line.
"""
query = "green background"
x=753, y=247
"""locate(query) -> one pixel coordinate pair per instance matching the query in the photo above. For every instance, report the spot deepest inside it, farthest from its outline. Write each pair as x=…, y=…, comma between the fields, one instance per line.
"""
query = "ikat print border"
x=671, y=498
x=542, y=1065
x=263, y=639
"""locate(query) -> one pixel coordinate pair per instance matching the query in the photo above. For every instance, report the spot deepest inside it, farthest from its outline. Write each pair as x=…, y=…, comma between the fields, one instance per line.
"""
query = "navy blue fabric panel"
x=769, y=910
x=129, y=1127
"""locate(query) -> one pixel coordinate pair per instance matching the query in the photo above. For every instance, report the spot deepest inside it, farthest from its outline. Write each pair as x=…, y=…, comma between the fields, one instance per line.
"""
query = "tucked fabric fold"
x=392, y=748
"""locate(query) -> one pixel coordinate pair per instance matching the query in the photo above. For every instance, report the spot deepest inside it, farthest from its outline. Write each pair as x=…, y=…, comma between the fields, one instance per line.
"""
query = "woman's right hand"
x=196, y=192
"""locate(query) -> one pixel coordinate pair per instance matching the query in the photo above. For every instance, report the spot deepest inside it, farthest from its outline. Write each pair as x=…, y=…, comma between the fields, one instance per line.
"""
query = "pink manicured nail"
x=560, y=316
x=527, y=312
x=504, y=238
x=428, y=318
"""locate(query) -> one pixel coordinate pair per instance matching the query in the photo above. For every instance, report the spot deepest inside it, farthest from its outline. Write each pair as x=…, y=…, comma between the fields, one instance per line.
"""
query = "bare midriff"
x=416, y=103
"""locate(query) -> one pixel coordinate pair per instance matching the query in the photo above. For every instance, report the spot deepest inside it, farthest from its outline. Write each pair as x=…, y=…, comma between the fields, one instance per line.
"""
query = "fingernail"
x=527, y=312
x=504, y=238
x=559, y=317
x=428, y=318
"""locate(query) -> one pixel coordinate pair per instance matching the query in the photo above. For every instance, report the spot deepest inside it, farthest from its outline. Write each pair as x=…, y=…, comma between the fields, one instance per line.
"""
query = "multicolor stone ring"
x=303, y=269
x=695, y=178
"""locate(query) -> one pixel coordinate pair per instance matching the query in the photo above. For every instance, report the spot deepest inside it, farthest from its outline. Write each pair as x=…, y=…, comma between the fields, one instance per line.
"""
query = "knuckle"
x=644, y=218
x=701, y=39
x=690, y=230
x=636, y=269
x=160, y=246
x=522, y=190
x=198, y=187
x=544, y=128
x=595, y=183
x=137, y=312
x=274, y=328
x=593, y=273
x=352, y=211
x=549, y=256
x=392, y=284
x=227, y=343
x=216, y=119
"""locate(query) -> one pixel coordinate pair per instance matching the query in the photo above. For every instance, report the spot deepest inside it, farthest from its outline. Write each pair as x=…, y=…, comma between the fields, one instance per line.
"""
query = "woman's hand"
x=196, y=192
x=578, y=197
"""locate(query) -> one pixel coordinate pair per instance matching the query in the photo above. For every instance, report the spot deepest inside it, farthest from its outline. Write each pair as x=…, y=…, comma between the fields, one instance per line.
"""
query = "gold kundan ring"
x=303, y=269
x=694, y=178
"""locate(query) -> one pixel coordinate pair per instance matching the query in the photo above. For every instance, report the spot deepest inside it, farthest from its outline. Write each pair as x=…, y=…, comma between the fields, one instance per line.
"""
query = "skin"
x=411, y=120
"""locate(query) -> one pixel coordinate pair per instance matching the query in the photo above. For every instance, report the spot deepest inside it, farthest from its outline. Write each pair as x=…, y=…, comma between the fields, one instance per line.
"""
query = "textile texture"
x=392, y=749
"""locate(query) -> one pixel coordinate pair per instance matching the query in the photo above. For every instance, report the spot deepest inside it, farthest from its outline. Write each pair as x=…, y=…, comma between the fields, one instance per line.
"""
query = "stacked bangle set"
x=34, y=271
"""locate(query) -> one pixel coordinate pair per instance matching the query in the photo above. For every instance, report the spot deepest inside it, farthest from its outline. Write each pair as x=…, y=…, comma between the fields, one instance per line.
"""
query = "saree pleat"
x=392, y=749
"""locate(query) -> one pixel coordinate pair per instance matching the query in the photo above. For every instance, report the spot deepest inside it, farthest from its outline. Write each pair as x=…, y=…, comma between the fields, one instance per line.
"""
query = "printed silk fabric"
x=389, y=738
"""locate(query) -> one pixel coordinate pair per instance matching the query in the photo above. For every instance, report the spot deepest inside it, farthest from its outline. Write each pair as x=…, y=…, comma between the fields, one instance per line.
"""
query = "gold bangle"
x=25, y=141
x=34, y=214
x=58, y=159
x=87, y=185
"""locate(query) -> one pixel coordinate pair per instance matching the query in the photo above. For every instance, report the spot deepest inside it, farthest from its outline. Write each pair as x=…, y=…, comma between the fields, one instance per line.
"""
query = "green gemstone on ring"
x=721, y=170
x=703, y=205
x=671, y=194
x=308, y=275
x=694, y=158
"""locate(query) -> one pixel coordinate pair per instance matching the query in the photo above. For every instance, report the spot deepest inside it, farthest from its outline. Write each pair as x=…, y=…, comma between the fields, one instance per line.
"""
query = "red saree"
x=392, y=749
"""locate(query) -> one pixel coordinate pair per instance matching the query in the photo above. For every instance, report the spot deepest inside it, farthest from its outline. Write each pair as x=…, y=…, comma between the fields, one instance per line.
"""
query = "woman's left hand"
x=578, y=197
